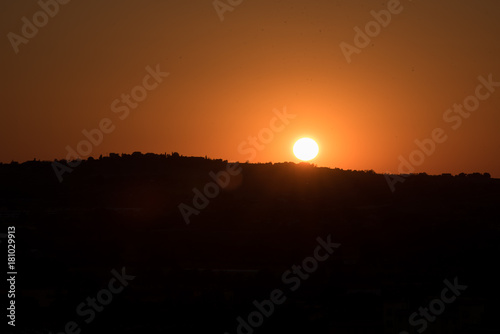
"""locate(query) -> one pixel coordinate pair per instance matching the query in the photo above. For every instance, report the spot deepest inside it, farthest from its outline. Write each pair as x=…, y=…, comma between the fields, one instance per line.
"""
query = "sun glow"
x=305, y=149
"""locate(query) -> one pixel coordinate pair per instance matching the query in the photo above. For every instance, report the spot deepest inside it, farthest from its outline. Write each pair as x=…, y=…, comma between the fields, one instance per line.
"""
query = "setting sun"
x=305, y=149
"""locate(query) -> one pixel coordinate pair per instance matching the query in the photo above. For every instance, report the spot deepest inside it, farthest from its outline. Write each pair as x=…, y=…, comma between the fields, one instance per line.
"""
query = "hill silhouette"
x=394, y=250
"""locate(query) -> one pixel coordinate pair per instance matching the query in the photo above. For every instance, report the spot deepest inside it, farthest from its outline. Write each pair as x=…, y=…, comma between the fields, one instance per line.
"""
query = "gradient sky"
x=226, y=78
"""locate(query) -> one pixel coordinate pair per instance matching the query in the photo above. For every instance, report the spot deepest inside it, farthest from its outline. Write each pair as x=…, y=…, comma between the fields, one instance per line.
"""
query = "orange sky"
x=226, y=78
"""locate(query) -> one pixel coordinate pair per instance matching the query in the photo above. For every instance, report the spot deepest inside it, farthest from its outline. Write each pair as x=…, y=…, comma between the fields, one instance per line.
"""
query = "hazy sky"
x=225, y=78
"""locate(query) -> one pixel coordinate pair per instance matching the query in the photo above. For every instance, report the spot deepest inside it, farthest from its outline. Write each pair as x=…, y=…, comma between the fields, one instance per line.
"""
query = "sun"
x=305, y=149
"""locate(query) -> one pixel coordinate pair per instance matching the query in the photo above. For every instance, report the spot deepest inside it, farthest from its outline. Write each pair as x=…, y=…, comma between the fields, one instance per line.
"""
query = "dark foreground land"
x=283, y=248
